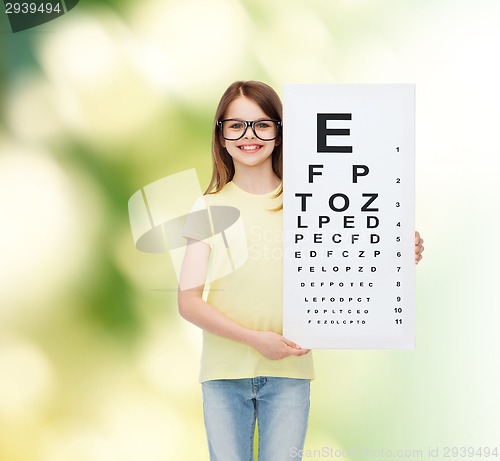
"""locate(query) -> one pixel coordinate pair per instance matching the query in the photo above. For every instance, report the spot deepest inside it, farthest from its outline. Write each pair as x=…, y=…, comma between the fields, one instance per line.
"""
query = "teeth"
x=249, y=147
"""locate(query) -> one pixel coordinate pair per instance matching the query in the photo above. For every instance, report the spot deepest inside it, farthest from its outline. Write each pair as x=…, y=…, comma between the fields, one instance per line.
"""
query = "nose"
x=245, y=133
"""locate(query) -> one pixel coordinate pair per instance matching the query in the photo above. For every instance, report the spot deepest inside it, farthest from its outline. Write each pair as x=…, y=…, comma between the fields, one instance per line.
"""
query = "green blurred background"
x=95, y=362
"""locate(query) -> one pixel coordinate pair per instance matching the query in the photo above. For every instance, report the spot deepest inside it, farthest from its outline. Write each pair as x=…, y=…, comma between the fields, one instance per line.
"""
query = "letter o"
x=332, y=204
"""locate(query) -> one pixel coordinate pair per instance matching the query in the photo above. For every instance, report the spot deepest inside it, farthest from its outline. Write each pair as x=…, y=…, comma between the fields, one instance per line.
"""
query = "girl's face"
x=249, y=150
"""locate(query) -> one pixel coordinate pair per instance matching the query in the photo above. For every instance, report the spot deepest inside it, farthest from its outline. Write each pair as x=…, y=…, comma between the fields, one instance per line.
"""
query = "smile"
x=250, y=147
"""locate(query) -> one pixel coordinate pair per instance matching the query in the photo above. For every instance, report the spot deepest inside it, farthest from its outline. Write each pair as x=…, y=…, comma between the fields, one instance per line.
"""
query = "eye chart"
x=348, y=240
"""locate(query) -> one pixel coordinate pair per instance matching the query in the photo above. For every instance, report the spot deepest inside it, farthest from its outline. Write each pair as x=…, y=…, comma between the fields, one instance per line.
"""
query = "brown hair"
x=269, y=101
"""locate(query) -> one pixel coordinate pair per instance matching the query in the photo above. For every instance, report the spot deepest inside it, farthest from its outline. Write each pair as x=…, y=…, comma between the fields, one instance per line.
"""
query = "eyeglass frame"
x=251, y=124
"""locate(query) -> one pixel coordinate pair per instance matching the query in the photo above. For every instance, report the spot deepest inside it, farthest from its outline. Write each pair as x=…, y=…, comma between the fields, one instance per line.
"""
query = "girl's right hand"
x=275, y=346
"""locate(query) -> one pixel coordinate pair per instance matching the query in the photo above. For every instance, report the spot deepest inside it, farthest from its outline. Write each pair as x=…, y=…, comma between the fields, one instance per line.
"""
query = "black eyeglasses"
x=233, y=129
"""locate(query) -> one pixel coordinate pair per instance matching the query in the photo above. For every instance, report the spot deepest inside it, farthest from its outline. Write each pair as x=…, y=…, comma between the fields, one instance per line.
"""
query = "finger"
x=290, y=343
x=303, y=352
x=299, y=352
x=418, y=251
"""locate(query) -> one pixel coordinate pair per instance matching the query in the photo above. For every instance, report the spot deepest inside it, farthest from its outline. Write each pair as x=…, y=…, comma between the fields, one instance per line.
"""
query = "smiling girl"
x=249, y=371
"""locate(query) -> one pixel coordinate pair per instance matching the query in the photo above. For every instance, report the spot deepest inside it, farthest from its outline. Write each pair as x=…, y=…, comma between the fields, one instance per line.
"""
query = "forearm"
x=194, y=309
x=268, y=343
x=208, y=318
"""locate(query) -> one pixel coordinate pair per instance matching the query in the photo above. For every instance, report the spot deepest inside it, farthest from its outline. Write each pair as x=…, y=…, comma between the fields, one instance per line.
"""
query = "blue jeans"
x=231, y=407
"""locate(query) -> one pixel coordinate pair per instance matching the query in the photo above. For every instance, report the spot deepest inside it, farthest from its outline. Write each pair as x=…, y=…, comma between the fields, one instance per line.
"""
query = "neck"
x=255, y=180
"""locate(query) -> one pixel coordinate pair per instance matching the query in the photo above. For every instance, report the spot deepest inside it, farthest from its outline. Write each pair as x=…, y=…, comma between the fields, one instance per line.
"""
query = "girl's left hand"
x=419, y=247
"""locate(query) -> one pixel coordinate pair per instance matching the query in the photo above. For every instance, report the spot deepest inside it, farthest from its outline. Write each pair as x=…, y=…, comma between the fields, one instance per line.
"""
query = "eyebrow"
x=244, y=120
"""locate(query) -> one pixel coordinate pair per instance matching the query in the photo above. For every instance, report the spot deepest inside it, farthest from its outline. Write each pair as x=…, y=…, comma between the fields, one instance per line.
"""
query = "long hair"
x=269, y=101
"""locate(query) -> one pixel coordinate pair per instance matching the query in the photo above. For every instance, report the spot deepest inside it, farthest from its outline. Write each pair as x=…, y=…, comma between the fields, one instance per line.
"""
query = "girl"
x=249, y=371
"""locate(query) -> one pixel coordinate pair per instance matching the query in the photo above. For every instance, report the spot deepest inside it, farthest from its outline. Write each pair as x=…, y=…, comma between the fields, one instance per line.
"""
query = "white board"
x=349, y=270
